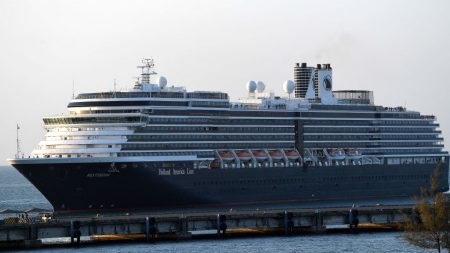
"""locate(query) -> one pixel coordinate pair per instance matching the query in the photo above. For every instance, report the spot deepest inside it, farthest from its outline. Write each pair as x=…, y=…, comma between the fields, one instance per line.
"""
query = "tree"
x=427, y=226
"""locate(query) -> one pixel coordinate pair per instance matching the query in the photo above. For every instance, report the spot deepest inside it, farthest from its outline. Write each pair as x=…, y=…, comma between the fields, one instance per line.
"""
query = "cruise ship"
x=159, y=146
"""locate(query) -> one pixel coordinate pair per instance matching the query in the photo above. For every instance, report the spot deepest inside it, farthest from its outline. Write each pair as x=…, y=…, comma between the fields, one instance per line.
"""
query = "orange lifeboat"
x=349, y=151
x=244, y=155
x=353, y=152
x=336, y=153
x=225, y=155
x=331, y=151
x=260, y=155
x=214, y=164
x=340, y=152
x=292, y=154
x=275, y=154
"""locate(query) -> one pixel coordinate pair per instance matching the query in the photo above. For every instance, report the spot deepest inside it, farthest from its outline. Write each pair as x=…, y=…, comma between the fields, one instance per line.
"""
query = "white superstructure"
x=163, y=120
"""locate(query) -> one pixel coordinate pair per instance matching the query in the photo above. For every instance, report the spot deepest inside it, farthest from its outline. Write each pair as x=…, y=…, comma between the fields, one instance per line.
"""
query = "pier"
x=148, y=227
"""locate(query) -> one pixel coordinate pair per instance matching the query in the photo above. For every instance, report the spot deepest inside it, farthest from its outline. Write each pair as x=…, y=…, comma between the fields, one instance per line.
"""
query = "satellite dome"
x=288, y=86
x=162, y=82
x=260, y=86
x=251, y=86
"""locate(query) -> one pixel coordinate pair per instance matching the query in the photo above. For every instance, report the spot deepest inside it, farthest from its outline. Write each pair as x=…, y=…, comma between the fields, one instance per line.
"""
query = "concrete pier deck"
x=149, y=227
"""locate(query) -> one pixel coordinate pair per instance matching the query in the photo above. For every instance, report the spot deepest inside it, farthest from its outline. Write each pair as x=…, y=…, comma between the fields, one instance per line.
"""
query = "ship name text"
x=175, y=172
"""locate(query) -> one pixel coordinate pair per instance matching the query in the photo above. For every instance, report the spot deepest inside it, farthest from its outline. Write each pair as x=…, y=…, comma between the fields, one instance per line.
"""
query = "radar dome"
x=251, y=86
x=260, y=86
x=288, y=86
x=162, y=82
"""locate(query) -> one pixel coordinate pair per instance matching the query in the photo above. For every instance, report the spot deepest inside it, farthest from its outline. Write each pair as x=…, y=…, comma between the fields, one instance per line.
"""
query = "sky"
x=398, y=49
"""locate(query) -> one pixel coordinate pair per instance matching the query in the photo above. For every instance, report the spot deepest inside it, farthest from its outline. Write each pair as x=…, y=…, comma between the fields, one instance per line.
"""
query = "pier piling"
x=221, y=225
x=75, y=232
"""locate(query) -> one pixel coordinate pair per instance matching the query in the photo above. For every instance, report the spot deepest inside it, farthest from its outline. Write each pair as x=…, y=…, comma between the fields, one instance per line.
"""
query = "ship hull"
x=83, y=187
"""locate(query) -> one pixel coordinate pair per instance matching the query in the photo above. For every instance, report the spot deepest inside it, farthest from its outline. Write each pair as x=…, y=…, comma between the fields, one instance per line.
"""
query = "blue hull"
x=72, y=187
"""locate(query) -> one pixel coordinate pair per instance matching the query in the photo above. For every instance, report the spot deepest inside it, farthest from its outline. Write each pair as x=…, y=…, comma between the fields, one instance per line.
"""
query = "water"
x=380, y=242
x=17, y=193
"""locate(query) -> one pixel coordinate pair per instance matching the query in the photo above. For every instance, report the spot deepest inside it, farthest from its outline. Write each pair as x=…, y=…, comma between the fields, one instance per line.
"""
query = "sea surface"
x=18, y=194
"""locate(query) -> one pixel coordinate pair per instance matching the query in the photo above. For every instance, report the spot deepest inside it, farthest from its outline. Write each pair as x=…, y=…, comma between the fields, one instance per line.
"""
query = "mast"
x=115, y=88
x=147, y=70
x=73, y=89
x=18, y=151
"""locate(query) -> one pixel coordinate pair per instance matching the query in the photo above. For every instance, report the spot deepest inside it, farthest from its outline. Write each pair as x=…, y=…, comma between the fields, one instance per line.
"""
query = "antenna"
x=18, y=151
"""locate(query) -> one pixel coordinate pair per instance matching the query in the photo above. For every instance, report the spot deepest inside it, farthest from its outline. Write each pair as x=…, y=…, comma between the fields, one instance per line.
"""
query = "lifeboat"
x=225, y=155
x=292, y=154
x=275, y=154
x=340, y=152
x=349, y=151
x=353, y=152
x=336, y=153
x=214, y=164
x=260, y=155
x=331, y=151
x=244, y=155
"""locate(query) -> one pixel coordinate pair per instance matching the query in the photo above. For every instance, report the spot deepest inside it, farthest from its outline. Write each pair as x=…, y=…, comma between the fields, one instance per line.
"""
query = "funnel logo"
x=327, y=83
